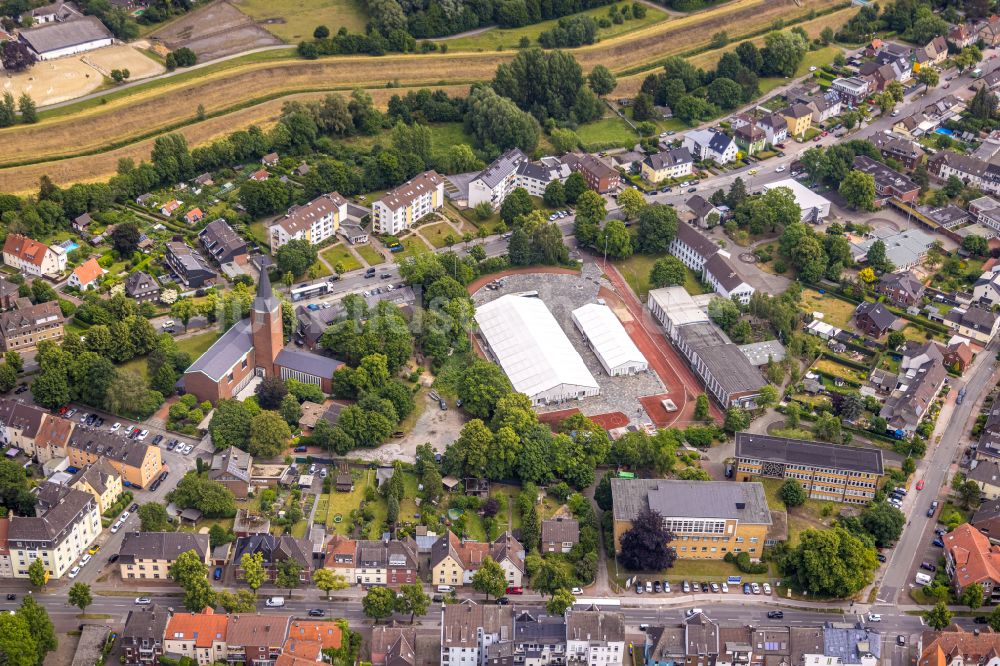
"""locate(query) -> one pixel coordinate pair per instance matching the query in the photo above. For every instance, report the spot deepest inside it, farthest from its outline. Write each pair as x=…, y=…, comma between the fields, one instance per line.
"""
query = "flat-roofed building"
x=826, y=471
x=707, y=518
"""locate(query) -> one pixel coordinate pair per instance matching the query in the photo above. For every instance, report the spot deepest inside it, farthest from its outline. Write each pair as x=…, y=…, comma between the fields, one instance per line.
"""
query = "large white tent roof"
x=530, y=345
x=606, y=334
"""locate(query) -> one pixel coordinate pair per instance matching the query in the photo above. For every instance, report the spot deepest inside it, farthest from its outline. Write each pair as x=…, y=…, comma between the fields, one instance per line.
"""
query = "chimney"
x=741, y=505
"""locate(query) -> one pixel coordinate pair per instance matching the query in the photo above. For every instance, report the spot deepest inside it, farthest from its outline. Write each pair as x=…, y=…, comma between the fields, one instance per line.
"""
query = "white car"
x=666, y=587
x=577, y=591
x=117, y=526
x=86, y=558
x=755, y=588
x=874, y=617
x=143, y=601
x=813, y=68
x=116, y=427
x=779, y=169
x=767, y=588
x=143, y=435
x=73, y=572
x=83, y=417
x=188, y=448
x=122, y=518
x=725, y=588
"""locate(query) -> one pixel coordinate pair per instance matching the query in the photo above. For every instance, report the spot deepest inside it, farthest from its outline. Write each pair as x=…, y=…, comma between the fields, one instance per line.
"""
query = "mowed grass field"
x=499, y=38
x=295, y=20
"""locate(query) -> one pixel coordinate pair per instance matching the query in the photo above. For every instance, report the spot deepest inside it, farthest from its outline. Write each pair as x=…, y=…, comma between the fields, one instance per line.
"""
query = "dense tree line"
x=548, y=84
x=346, y=43
x=913, y=20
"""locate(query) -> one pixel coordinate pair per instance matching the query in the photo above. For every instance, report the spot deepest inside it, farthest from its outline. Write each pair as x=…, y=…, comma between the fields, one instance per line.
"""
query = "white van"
x=445, y=589
x=274, y=602
x=922, y=578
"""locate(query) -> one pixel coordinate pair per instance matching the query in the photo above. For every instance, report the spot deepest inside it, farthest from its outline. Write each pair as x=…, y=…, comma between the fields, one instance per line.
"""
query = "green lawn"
x=837, y=312
x=606, y=133
x=296, y=19
x=636, y=270
x=409, y=243
x=408, y=508
x=708, y=571
x=369, y=254
x=443, y=136
x=338, y=254
x=436, y=233
x=831, y=367
x=194, y=345
x=818, y=58
x=497, y=38
x=800, y=518
x=344, y=503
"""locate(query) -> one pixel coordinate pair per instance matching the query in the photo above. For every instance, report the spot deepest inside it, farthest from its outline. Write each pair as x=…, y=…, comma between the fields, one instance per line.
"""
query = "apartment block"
x=315, y=221
x=399, y=208
x=66, y=524
x=149, y=555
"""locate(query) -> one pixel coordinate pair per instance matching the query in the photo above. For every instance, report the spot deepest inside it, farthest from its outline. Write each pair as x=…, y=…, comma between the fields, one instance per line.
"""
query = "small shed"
x=345, y=483
x=190, y=516
x=450, y=483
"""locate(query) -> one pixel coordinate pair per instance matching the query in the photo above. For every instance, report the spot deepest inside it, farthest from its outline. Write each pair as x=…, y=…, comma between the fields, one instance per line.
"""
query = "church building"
x=255, y=348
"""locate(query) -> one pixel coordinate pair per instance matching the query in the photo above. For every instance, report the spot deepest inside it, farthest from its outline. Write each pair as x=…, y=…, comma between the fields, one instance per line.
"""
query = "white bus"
x=306, y=291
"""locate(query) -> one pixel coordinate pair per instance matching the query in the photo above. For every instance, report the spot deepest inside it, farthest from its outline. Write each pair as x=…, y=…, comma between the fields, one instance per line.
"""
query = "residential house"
x=307, y=640
x=194, y=216
x=22, y=329
x=256, y=639
x=415, y=199
x=232, y=468
x=986, y=211
x=20, y=424
x=750, y=139
x=720, y=273
x=149, y=555
x=314, y=222
x=86, y=275
x=908, y=153
x=260, y=175
x=599, y=176
x=852, y=90
x=538, y=639
x=958, y=354
x=970, y=558
x=799, y=119
x=921, y=376
x=559, y=535
x=708, y=518
x=825, y=106
x=204, y=180
x=974, y=323
x=829, y=472
x=629, y=161
x=775, y=128
x=845, y=644
x=389, y=562
x=199, y=636
x=454, y=561
x=33, y=258
x=66, y=523
x=813, y=207
x=986, y=473
x=963, y=35
x=703, y=210
x=986, y=519
x=9, y=293
x=986, y=289
x=391, y=644
x=971, y=171
x=933, y=53
x=270, y=160
x=889, y=183
x=138, y=463
x=142, y=287
x=509, y=554
x=534, y=177
x=275, y=551
x=52, y=438
x=989, y=31
x=595, y=637
x=674, y=163
x=497, y=180
x=710, y=145
x=902, y=289
x=170, y=207
x=873, y=319
x=142, y=636
x=188, y=266
x=222, y=243
x=101, y=480
x=81, y=222
x=468, y=630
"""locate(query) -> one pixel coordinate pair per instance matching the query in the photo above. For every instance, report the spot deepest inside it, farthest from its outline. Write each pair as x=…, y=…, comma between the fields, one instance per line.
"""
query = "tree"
x=295, y=256
x=555, y=194
x=969, y=494
x=328, y=581
x=657, y=228
x=517, y=203
x=37, y=573
x=379, y=603
x=270, y=392
x=288, y=574
x=18, y=646
x=792, y=493
x=858, y=189
x=269, y=433
x=412, y=600
x=939, y=617
x=667, y=272
x=560, y=601
x=253, y=570
x=725, y=93
x=210, y=497
x=188, y=568
x=884, y=522
x=631, y=202
x=199, y=595
x=496, y=121
x=993, y=619
x=576, y=185
x=615, y=240
x=737, y=419
x=601, y=80
x=230, y=424
x=28, y=110
x=242, y=601
x=481, y=385
x=724, y=312
x=153, y=518
x=783, y=52
x=928, y=76
x=646, y=545
x=80, y=596
x=976, y=245
x=702, y=409
x=832, y=562
x=972, y=596
x=489, y=578
x=876, y=257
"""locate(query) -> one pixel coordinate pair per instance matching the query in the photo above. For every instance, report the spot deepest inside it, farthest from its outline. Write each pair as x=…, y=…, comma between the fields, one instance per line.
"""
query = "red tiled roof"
x=88, y=271
x=24, y=248
x=203, y=628
x=975, y=559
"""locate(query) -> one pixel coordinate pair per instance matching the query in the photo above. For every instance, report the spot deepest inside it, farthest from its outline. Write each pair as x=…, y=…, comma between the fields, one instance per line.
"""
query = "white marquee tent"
x=610, y=341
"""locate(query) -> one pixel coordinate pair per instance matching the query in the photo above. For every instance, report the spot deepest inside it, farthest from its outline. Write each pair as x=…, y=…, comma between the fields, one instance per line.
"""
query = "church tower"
x=266, y=328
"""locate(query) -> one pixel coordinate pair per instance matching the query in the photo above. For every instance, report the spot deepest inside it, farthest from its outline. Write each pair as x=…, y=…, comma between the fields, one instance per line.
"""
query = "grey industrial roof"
x=723, y=359
x=758, y=353
x=802, y=452
x=303, y=361
x=745, y=502
x=225, y=352
x=55, y=36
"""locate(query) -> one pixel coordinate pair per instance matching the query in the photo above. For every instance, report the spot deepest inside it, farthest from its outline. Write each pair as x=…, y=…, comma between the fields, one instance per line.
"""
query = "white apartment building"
x=595, y=638
x=496, y=181
x=67, y=524
x=708, y=144
x=315, y=221
x=398, y=209
x=720, y=273
x=691, y=247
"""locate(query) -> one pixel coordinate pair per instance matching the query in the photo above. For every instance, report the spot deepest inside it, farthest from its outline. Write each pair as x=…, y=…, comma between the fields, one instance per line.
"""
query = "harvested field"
x=166, y=103
x=214, y=31
x=295, y=20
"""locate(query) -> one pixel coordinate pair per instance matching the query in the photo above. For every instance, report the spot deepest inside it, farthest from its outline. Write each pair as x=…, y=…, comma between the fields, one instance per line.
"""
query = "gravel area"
x=563, y=294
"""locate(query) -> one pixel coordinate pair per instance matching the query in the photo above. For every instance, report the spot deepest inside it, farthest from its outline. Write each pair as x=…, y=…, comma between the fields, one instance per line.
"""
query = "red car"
x=825, y=133
x=781, y=145
x=817, y=139
x=920, y=484
x=515, y=590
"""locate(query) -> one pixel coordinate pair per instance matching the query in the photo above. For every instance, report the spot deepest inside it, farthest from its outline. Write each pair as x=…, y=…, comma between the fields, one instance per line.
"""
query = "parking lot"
x=562, y=294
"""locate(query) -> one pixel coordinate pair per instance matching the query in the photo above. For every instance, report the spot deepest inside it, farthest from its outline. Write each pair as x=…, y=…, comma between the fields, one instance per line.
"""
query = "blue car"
x=746, y=588
x=938, y=543
x=218, y=573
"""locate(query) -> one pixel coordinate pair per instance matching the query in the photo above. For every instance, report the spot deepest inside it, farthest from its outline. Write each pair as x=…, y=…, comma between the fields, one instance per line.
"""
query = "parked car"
x=725, y=588
x=576, y=591
x=143, y=601
x=666, y=587
x=171, y=444
x=715, y=587
x=316, y=612
x=928, y=566
x=157, y=439
x=113, y=558
x=503, y=601
x=217, y=574
x=74, y=571
x=135, y=505
x=656, y=586
x=746, y=588
x=638, y=588
x=767, y=588
x=649, y=586
x=85, y=559
x=933, y=507
x=775, y=615
x=299, y=449
x=880, y=557
x=116, y=427
x=920, y=484
x=755, y=588
x=938, y=542
x=517, y=590
x=686, y=587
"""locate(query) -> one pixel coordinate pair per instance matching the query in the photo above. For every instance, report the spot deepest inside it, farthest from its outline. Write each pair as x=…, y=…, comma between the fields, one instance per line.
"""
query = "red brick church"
x=252, y=348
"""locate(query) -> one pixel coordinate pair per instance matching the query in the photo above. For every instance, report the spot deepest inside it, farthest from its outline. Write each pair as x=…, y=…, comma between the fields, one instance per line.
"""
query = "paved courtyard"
x=563, y=294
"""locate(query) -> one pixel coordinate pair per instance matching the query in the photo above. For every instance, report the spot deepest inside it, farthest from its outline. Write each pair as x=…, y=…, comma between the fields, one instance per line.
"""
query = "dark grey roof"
x=145, y=624
x=140, y=283
x=225, y=352
x=988, y=510
x=722, y=359
x=976, y=318
x=560, y=530
x=303, y=361
x=59, y=507
x=96, y=475
x=700, y=206
x=670, y=158
x=595, y=625
x=745, y=502
x=986, y=472
x=545, y=629
x=27, y=319
x=161, y=546
x=883, y=175
x=701, y=244
x=265, y=300
x=904, y=281
x=989, y=440
x=502, y=167
x=848, y=643
x=802, y=452
x=232, y=462
x=20, y=416
x=55, y=36
x=878, y=313
x=723, y=271
x=905, y=408
x=275, y=549
x=109, y=445
x=221, y=241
